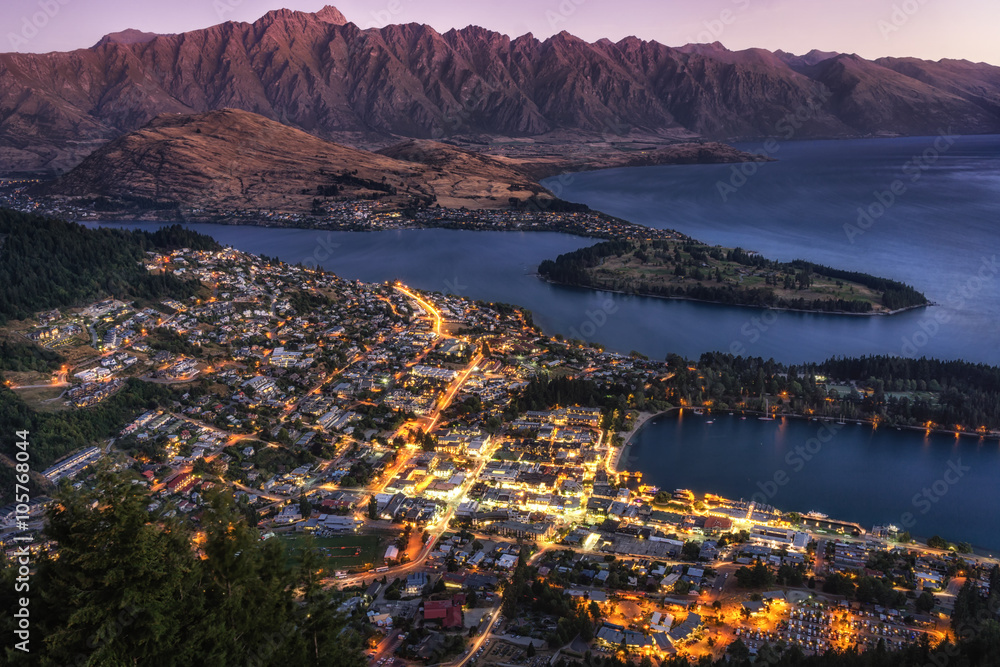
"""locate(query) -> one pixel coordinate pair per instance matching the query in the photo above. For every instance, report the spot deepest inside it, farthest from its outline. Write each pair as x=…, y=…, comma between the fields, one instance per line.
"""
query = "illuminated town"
x=470, y=509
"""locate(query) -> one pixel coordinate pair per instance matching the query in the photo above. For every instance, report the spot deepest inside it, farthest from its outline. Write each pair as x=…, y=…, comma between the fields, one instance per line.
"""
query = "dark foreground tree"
x=132, y=588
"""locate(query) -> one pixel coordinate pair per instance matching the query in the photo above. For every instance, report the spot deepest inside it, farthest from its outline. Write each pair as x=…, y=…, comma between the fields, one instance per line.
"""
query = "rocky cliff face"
x=324, y=75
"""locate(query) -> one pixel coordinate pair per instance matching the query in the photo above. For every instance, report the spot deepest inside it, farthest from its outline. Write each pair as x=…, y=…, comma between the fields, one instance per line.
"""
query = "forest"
x=700, y=265
x=52, y=435
x=22, y=357
x=49, y=263
x=893, y=390
x=131, y=587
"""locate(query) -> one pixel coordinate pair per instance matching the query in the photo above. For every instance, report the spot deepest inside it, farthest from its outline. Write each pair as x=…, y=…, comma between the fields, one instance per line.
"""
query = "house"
x=507, y=561
x=373, y=590
x=415, y=583
x=447, y=612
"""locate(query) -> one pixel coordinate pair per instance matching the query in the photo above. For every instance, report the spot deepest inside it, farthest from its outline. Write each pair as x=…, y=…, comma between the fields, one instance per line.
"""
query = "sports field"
x=343, y=551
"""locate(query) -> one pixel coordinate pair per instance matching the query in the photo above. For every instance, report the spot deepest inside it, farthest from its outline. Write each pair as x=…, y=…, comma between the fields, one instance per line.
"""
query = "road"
x=477, y=643
x=426, y=305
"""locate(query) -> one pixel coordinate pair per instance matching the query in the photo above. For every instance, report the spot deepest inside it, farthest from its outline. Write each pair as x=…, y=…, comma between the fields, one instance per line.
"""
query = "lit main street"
x=432, y=421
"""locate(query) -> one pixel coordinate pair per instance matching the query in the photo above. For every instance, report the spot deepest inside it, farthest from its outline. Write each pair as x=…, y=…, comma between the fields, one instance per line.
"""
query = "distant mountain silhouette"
x=328, y=77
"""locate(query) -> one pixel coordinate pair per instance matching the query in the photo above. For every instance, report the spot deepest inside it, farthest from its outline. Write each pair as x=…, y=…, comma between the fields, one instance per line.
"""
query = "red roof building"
x=448, y=612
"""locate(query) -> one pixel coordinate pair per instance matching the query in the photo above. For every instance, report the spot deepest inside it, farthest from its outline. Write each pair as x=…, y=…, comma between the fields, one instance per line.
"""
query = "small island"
x=687, y=269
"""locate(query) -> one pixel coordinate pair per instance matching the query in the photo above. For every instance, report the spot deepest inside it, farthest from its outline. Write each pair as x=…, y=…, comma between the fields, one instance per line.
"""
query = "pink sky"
x=929, y=29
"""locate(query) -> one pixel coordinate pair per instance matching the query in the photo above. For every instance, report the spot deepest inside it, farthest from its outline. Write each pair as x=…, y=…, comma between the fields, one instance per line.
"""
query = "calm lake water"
x=856, y=473
x=940, y=235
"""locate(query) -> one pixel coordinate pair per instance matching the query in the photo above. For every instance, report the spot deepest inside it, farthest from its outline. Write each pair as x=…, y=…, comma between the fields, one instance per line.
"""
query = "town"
x=362, y=215
x=444, y=459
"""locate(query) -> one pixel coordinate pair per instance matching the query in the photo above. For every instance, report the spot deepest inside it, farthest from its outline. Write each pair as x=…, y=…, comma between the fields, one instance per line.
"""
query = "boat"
x=813, y=514
x=710, y=421
x=767, y=414
x=699, y=411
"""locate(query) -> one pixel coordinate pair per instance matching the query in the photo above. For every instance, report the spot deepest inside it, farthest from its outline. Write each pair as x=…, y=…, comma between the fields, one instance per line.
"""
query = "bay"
x=929, y=484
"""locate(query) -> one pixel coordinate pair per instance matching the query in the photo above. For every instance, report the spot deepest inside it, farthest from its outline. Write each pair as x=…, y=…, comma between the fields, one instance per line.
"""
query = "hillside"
x=232, y=160
x=47, y=263
x=327, y=76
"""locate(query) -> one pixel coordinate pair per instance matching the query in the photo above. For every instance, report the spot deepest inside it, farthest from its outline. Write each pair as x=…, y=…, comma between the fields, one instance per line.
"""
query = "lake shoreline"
x=735, y=305
x=645, y=417
x=621, y=463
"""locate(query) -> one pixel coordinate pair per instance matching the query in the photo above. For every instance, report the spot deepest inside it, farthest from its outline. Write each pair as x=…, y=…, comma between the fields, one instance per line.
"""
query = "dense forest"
x=49, y=263
x=24, y=357
x=543, y=393
x=952, y=395
x=133, y=588
x=55, y=434
x=894, y=390
x=690, y=259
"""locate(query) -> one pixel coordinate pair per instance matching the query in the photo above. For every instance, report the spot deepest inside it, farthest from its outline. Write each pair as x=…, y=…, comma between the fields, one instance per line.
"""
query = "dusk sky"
x=929, y=29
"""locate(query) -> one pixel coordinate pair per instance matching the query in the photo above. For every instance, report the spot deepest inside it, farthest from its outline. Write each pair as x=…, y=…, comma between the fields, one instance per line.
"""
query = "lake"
x=850, y=472
x=934, y=236
x=940, y=235
x=923, y=210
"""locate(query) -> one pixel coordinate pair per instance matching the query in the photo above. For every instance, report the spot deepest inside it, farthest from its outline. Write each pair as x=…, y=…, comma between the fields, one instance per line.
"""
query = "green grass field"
x=342, y=552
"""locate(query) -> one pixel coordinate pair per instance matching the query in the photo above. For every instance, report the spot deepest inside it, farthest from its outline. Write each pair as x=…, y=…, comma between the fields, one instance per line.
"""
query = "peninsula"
x=687, y=269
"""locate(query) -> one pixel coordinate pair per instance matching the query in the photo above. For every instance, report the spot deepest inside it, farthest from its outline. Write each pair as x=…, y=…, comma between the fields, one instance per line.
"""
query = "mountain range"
x=326, y=76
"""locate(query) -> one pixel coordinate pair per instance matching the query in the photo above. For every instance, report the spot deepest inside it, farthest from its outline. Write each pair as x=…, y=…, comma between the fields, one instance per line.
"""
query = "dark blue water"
x=940, y=233
x=855, y=473
x=933, y=237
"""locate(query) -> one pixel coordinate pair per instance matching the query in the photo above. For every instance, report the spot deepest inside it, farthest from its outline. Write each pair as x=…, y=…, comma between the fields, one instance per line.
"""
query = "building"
x=446, y=612
x=415, y=583
x=72, y=464
x=527, y=531
x=778, y=537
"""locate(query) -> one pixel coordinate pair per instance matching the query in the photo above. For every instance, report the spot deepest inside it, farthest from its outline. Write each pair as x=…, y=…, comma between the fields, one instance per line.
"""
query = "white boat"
x=699, y=411
x=813, y=514
x=767, y=414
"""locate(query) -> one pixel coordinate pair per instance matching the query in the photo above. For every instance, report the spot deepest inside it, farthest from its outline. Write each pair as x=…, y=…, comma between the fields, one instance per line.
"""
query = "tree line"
x=573, y=268
x=131, y=587
x=49, y=263
x=55, y=434
x=895, y=390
